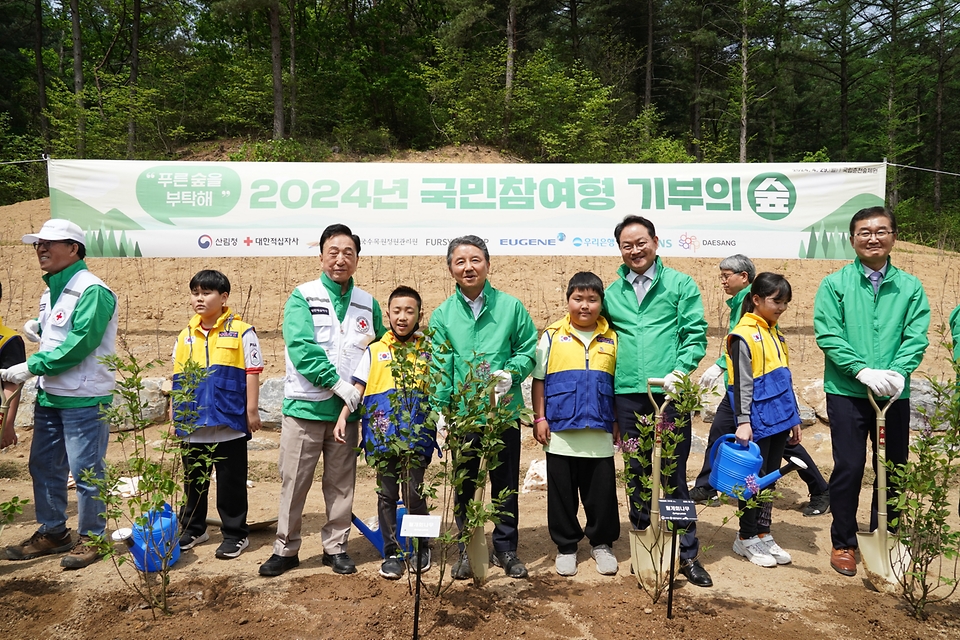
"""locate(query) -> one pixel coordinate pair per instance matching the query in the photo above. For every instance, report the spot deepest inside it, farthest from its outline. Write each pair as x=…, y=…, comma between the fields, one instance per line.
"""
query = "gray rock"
x=698, y=444
x=527, y=387
x=271, y=402
x=814, y=396
x=28, y=395
x=808, y=416
x=262, y=444
x=922, y=402
x=709, y=411
x=157, y=407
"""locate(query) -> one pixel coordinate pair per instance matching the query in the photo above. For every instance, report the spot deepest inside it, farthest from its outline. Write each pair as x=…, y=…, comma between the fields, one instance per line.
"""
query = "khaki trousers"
x=301, y=444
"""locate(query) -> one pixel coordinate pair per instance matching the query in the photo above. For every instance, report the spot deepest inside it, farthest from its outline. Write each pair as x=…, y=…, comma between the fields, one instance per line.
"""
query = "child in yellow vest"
x=576, y=424
x=761, y=402
x=375, y=381
x=12, y=352
x=227, y=401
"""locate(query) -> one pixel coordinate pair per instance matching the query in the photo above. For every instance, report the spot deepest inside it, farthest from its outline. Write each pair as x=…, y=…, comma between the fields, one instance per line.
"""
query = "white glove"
x=896, y=382
x=17, y=374
x=504, y=383
x=31, y=330
x=876, y=380
x=710, y=376
x=348, y=393
x=671, y=381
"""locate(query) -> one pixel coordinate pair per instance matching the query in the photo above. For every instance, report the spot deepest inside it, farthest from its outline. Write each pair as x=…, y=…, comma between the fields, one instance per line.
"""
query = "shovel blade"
x=650, y=556
x=879, y=554
x=478, y=555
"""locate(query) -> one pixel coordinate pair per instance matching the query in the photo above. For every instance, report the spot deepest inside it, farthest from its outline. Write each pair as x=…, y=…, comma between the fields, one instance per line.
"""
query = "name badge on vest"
x=605, y=339
x=322, y=311
x=362, y=325
x=227, y=334
x=60, y=317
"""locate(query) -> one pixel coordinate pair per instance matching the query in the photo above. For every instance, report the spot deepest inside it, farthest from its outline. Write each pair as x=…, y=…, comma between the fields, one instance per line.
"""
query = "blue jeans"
x=67, y=440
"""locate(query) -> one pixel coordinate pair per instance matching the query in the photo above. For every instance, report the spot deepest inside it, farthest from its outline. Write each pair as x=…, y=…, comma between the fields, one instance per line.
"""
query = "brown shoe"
x=83, y=554
x=844, y=561
x=40, y=544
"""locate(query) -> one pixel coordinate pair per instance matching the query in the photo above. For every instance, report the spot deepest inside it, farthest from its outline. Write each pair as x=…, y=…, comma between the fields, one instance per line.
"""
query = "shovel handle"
x=651, y=383
x=5, y=399
x=881, y=413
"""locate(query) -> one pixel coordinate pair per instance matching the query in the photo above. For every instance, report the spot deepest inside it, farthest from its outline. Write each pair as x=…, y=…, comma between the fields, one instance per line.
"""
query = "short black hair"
x=873, y=212
x=210, y=280
x=585, y=281
x=406, y=292
x=81, y=250
x=629, y=220
x=339, y=230
x=473, y=241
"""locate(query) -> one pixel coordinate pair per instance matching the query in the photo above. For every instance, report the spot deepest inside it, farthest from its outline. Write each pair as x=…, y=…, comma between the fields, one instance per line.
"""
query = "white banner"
x=200, y=209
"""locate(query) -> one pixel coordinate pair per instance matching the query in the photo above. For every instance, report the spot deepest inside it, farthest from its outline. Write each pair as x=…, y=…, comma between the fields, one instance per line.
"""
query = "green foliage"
x=158, y=469
x=928, y=572
x=917, y=222
x=820, y=155
x=10, y=510
x=20, y=181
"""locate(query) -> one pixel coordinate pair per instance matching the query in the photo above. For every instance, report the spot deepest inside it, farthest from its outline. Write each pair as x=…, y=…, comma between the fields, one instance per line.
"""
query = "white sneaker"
x=775, y=550
x=754, y=550
x=566, y=564
x=607, y=564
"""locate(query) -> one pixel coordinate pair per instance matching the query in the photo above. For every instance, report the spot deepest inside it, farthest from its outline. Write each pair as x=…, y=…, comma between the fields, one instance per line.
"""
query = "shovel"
x=477, y=552
x=647, y=547
x=877, y=547
x=5, y=401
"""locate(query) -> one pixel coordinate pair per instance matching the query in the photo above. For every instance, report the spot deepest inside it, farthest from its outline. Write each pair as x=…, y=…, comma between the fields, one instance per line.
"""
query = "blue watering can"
x=153, y=541
x=372, y=531
x=733, y=463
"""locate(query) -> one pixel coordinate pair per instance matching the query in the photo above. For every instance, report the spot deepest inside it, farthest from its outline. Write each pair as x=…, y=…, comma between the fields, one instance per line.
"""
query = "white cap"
x=57, y=229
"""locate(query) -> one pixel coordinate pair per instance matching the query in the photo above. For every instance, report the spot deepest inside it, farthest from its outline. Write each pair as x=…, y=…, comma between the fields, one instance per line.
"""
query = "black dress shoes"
x=340, y=562
x=695, y=573
x=275, y=565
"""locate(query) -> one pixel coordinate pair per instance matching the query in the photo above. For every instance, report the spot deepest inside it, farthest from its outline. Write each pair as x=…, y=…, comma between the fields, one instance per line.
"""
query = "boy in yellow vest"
x=375, y=381
x=227, y=401
x=12, y=352
x=576, y=423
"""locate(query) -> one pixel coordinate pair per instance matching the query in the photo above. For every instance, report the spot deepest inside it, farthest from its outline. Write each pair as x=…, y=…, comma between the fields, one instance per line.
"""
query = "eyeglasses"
x=45, y=244
x=879, y=235
x=726, y=276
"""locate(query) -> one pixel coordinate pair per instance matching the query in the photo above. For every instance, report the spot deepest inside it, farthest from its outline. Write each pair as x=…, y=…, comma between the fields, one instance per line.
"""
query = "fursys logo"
x=204, y=241
x=772, y=196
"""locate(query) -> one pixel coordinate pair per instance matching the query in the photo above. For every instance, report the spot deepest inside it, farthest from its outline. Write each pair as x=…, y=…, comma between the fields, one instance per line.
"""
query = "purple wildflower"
x=630, y=445
x=665, y=425
x=483, y=370
x=380, y=422
x=752, y=487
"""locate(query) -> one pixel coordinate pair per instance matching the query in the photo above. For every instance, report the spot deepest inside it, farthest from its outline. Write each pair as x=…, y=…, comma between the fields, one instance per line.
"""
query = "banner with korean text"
x=181, y=209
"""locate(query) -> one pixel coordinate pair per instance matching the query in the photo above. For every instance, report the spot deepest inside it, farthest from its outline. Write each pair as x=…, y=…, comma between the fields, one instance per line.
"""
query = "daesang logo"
x=204, y=241
x=689, y=242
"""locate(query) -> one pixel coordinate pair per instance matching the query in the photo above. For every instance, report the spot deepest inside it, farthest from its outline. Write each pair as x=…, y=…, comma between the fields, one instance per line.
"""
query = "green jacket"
x=309, y=357
x=856, y=329
x=667, y=332
x=736, y=312
x=502, y=335
x=955, y=331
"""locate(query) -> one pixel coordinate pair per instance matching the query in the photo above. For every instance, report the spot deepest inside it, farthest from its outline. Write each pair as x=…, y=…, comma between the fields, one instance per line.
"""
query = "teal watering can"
x=733, y=463
x=154, y=541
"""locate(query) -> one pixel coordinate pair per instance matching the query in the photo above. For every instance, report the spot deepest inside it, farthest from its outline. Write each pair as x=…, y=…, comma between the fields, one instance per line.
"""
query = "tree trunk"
x=41, y=74
x=508, y=81
x=648, y=84
x=134, y=69
x=744, y=50
x=938, y=125
x=293, y=67
x=574, y=29
x=78, y=78
x=277, y=60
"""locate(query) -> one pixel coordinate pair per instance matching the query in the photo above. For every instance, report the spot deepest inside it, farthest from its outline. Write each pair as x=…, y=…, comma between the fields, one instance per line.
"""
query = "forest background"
x=545, y=80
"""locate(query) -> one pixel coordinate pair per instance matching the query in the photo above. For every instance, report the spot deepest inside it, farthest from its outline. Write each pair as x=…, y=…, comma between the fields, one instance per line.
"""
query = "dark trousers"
x=505, y=476
x=230, y=461
x=816, y=484
x=852, y=421
x=628, y=405
x=389, y=491
x=592, y=480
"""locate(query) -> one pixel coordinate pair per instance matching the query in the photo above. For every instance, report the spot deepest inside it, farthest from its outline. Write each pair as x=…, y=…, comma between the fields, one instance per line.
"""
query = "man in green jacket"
x=76, y=326
x=484, y=325
x=870, y=320
x=657, y=313
x=327, y=325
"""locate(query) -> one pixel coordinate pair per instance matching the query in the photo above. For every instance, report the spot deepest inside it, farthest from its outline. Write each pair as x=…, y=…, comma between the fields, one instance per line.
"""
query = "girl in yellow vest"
x=761, y=402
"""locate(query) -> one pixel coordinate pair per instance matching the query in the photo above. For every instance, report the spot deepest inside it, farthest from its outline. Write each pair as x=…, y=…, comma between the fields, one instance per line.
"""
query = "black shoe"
x=512, y=566
x=189, y=540
x=275, y=565
x=392, y=567
x=695, y=573
x=702, y=494
x=340, y=562
x=426, y=560
x=230, y=549
x=819, y=504
x=461, y=568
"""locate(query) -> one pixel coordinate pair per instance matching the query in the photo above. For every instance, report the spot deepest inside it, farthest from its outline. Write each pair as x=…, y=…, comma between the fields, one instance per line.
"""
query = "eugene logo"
x=772, y=196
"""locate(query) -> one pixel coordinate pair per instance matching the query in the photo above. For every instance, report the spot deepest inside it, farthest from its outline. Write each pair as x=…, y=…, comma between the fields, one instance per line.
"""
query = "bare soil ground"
x=227, y=599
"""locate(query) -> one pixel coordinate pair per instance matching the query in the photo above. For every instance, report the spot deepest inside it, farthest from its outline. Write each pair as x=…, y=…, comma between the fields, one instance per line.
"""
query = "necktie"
x=640, y=286
x=875, y=279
